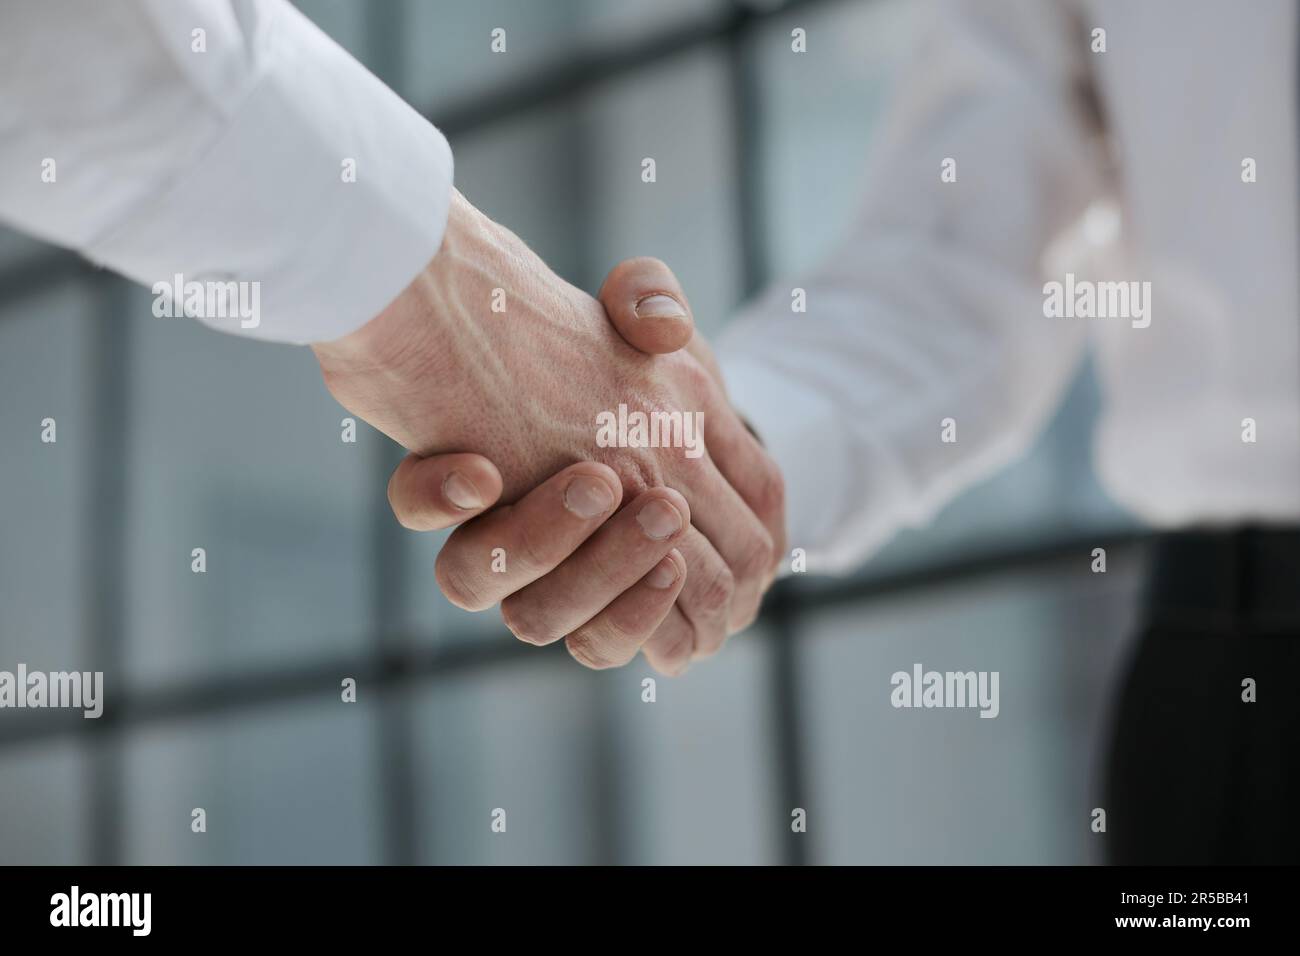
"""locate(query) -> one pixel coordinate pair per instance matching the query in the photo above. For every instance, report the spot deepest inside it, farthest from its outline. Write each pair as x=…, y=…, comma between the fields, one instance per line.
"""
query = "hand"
x=565, y=581
x=608, y=578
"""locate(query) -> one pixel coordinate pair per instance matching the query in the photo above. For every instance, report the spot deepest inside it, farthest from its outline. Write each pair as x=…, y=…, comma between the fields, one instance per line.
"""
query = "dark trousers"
x=1196, y=774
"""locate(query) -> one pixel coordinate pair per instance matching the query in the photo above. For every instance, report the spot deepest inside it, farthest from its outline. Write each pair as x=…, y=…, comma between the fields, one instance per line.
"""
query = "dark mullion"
x=464, y=653
x=394, y=743
x=786, y=725
x=746, y=129
x=41, y=271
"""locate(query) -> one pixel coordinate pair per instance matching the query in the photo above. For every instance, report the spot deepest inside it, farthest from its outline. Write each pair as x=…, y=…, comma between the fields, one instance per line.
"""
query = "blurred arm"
x=218, y=155
x=932, y=308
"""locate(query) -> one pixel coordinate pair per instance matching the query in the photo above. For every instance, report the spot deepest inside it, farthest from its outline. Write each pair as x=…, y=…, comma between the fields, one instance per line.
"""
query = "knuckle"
x=534, y=548
x=695, y=377
x=637, y=473
x=619, y=631
x=404, y=514
x=770, y=494
x=524, y=623
x=709, y=639
x=584, y=648
x=457, y=584
x=709, y=642
x=715, y=592
x=603, y=578
x=757, y=557
x=678, y=648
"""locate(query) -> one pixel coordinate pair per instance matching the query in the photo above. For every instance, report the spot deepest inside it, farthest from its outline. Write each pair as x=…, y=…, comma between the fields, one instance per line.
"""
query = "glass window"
x=172, y=437
x=280, y=785
x=237, y=448
x=946, y=786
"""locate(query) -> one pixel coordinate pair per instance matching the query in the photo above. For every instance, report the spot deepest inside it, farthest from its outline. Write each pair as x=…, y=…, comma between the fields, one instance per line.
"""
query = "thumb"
x=427, y=494
x=646, y=304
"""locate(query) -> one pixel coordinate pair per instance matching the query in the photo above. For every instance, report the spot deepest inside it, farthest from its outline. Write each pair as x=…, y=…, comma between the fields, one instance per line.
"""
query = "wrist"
x=413, y=325
x=439, y=358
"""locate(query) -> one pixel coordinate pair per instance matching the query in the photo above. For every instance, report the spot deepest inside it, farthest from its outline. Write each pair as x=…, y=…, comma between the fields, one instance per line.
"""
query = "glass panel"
x=236, y=447
x=345, y=21
x=588, y=771
x=447, y=44
x=295, y=785
x=678, y=114
x=918, y=786
x=820, y=110
x=43, y=800
x=696, y=766
x=522, y=738
x=45, y=355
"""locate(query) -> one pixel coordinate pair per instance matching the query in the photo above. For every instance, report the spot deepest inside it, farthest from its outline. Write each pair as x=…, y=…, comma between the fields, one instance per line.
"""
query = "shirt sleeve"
x=932, y=309
x=219, y=141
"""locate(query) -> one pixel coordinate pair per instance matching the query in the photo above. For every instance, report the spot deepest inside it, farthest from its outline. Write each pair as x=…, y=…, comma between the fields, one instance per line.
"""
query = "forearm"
x=931, y=309
x=218, y=143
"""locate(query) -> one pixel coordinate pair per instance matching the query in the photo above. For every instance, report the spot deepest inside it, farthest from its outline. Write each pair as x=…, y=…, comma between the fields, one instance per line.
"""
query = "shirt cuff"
x=322, y=199
x=799, y=428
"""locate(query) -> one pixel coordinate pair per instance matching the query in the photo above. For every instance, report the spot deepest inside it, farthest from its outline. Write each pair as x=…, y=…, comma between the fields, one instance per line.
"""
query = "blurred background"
x=222, y=688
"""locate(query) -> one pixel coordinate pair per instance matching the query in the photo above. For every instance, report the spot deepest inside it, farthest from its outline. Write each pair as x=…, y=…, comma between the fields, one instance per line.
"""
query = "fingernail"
x=659, y=520
x=659, y=306
x=460, y=491
x=663, y=575
x=588, y=497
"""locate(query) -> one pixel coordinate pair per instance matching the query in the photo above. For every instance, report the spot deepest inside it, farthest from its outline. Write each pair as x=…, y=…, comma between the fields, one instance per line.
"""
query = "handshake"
x=619, y=525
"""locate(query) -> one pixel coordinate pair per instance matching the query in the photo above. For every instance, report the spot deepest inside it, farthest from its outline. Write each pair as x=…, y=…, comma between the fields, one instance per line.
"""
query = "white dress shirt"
x=214, y=139
x=934, y=306
x=229, y=163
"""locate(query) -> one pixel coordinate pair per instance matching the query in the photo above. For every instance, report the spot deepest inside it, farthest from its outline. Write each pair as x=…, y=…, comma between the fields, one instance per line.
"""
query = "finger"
x=427, y=494
x=741, y=540
x=505, y=550
x=700, y=627
x=612, y=637
x=706, y=599
x=619, y=554
x=670, y=648
x=750, y=470
x=646, y=304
